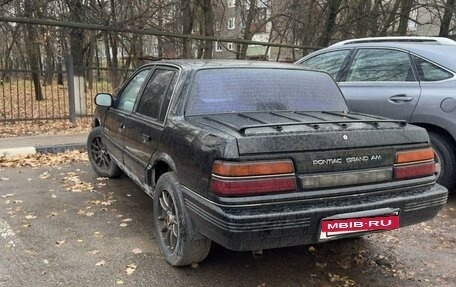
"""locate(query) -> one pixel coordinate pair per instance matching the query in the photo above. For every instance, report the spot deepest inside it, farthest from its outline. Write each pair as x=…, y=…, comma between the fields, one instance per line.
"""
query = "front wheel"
x=99, y=158
x=446, y=159
x=179, y=243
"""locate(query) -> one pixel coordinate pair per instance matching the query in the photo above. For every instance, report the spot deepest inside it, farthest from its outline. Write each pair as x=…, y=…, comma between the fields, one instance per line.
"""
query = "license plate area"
x=338, y=226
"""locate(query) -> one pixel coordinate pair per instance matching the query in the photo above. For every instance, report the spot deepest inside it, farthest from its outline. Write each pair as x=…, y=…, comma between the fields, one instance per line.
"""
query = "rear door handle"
x=146, y=138
x=121, y=127
x=401, y=98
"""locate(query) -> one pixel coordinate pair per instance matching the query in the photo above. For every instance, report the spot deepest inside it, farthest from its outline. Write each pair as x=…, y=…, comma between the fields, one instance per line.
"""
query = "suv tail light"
x=252, y=178
x=414, y=163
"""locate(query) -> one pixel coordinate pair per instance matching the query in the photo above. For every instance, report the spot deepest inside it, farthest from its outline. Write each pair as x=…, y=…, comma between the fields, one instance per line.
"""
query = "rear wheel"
x=446, y=159
x=99, y=158
x=179, y=243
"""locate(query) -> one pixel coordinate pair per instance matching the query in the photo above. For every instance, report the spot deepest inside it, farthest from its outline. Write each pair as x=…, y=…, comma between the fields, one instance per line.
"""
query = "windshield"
x=259, y=89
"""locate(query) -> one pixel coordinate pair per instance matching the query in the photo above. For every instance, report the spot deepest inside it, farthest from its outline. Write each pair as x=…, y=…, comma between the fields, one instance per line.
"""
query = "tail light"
x=252, y=178
x=414, y=163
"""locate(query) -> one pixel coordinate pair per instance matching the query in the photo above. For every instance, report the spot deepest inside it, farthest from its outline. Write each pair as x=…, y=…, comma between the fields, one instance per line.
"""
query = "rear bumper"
x=297, y=222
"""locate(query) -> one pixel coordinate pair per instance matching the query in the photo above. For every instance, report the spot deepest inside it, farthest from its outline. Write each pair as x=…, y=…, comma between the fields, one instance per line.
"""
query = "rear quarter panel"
x=437, y=105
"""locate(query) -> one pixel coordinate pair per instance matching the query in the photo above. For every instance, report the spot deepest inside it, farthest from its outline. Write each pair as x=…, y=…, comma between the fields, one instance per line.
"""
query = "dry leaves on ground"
x=28, y=128
x=36, y=160
x=73, y=183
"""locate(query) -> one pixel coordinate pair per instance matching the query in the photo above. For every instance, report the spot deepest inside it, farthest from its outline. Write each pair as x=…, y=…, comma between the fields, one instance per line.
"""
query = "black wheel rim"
x=99, y=154
x=167, y=221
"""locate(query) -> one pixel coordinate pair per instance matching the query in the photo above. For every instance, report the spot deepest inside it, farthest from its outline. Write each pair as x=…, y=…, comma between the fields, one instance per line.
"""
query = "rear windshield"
x=259, y=89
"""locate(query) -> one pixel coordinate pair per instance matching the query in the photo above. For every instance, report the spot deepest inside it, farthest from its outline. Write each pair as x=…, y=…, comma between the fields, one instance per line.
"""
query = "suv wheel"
x=179, y=243
x=445, y=158
x=99, y=158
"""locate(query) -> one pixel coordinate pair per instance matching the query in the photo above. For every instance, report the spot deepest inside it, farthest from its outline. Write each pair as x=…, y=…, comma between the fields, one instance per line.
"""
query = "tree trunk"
x=50, y=63
x=374, y=14
x=330, y=21
x=187, y=26
x=446, y=20
x=208, y=26
x=33, y=51
x=113, y=42
x=248, y=34
x=390, y=19
x=406, y=7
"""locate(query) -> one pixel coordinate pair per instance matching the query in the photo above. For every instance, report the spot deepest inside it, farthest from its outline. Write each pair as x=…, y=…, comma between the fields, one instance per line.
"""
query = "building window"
x=232, y=23
x=230, y=46
x=231, y=3
x=218, y=46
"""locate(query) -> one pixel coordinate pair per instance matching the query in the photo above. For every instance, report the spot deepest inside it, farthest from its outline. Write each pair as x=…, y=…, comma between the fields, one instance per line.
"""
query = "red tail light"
x=252, y=178
x=414, y=163
x=414, y=171
x=253, y=186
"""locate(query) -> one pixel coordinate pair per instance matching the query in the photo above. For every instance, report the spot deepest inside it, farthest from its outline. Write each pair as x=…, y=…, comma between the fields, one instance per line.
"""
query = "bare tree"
x=33, y=51
x=446, y=20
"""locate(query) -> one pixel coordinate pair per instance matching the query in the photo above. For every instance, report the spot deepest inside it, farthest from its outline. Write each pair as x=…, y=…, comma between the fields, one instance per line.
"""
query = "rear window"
x=429, y=72
x=257, y=89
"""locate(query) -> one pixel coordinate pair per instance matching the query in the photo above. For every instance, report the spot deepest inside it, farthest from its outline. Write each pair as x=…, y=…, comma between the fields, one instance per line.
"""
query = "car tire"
x=446, y=159
x=178, y=241
x=99, y=158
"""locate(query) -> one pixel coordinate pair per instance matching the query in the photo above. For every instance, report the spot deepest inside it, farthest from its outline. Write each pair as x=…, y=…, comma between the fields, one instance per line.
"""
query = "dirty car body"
x=259, y=155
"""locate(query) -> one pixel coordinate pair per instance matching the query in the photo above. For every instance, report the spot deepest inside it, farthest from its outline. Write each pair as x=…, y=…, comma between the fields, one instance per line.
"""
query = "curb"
x=11, y=152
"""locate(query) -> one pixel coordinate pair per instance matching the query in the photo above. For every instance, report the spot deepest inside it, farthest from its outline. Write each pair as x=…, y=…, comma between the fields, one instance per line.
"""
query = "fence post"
x=71, y=92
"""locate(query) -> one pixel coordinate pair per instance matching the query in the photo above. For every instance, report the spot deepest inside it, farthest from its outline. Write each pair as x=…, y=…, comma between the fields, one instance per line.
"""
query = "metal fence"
x=17, y=97
x=65, y=96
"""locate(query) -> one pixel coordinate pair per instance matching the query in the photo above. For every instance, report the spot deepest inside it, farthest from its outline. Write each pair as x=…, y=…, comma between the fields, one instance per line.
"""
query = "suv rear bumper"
x=291, y=223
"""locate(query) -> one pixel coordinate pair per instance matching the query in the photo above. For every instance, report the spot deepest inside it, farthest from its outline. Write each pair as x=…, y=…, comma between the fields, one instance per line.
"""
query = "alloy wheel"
x=99, y=154
x=167, y=220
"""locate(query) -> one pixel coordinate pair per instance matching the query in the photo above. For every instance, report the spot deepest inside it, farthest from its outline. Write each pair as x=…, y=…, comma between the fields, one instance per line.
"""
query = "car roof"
x=399, y=39
x=442, y=54
x=192, y=64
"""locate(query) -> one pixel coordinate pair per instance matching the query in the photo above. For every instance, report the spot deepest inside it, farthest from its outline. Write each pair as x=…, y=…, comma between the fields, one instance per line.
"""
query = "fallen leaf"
x=136, y=251
x=45, y=175
x=127, y=220
x=119, y=282
x=93, y=252
x=7, y=195
x=30, y=216
x=4, y=178
x=130, y=268
x=123, y=225
x=59, y=243
x=101, y=263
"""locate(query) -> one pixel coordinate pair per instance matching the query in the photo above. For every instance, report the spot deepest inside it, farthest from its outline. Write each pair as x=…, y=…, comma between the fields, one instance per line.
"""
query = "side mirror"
x=104, y=100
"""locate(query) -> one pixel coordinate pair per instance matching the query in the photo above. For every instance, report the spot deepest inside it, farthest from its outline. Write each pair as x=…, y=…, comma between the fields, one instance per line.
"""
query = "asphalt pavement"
x=65, y=226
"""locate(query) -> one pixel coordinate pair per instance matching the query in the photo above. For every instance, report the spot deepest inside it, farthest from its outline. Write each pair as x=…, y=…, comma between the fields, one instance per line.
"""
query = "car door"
x=381, y=81
x=144, y=127
x=116, y=117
